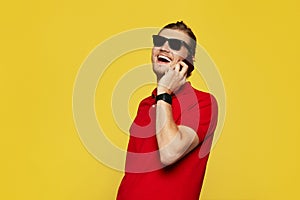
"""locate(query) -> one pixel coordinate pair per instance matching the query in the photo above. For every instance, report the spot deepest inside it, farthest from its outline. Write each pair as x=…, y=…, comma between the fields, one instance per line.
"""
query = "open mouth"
x=163, y=59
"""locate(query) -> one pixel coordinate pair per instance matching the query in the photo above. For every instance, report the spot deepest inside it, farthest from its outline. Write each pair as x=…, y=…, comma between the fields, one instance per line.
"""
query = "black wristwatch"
x=165, y=97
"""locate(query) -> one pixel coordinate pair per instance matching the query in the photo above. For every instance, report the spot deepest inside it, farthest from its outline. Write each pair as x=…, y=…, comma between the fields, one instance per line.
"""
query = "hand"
x=173, y=79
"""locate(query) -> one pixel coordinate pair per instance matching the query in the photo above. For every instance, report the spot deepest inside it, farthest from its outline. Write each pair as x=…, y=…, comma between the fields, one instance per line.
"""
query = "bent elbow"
x=167, y=158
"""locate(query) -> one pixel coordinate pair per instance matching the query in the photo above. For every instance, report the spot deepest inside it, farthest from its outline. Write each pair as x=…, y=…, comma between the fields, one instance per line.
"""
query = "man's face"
x=164, y=57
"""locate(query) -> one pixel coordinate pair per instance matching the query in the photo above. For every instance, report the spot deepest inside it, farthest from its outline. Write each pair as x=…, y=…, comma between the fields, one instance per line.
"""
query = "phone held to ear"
x=189, y=62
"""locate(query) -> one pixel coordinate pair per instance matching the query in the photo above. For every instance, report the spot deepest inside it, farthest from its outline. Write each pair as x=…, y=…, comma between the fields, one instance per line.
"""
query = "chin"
x=160, y=69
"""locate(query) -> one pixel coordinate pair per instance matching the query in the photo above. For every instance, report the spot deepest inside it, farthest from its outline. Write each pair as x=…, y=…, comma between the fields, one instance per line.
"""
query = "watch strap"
x=165, y=97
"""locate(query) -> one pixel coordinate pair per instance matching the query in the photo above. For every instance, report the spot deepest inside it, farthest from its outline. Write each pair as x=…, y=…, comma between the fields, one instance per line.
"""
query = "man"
x=171, y=136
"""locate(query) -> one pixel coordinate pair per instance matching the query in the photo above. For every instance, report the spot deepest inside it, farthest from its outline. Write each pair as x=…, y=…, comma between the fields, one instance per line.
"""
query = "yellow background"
x=255, y=45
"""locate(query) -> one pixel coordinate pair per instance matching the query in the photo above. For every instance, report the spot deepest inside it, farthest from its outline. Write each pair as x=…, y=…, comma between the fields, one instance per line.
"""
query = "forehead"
x=177, y=34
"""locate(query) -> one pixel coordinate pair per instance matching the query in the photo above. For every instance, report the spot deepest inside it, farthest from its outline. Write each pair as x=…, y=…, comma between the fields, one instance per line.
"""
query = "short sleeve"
x=201, y=116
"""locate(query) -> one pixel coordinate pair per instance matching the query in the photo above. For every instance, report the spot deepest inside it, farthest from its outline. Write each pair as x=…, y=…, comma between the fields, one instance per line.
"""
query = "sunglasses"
x=174, y=44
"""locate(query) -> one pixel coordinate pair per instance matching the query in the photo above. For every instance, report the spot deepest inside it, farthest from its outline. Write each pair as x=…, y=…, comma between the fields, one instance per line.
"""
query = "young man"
x=171, y=136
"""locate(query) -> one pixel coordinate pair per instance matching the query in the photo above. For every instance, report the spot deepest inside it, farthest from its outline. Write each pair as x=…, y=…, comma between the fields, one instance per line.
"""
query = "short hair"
x=180, y=25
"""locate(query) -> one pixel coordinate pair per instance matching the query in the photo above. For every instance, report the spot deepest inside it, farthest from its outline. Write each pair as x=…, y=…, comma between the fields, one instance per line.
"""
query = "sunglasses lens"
x=158, y=41
x=175, y=44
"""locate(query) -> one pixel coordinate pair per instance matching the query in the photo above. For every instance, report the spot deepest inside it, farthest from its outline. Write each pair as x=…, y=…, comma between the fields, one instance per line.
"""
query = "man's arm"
x=173, y=141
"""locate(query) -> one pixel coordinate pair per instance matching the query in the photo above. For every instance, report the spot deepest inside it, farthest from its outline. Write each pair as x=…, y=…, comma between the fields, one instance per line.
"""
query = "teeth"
x=164, y=57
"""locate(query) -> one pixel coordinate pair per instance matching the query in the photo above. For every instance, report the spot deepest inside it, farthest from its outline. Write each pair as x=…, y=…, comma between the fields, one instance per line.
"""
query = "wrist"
x=162, y=89
x=164, y=97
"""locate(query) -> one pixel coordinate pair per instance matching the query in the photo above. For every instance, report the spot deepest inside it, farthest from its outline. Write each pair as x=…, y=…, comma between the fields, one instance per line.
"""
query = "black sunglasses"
x=174, y=44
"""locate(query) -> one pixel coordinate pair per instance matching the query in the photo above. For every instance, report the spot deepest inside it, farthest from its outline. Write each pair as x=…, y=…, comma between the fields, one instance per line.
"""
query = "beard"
x=160, y=69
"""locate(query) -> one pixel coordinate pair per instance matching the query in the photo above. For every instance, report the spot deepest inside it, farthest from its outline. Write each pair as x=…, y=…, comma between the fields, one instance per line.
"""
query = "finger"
x=173, y=65
x=184, y=69
x=169, y=70
x=184, y=79
x=177, y=67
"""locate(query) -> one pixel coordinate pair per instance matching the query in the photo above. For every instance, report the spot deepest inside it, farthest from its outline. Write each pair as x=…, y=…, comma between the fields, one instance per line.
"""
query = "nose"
x=165, y=47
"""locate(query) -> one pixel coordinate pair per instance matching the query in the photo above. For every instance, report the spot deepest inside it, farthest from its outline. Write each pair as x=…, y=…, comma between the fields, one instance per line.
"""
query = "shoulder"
x=195, y=96
x=205, y=97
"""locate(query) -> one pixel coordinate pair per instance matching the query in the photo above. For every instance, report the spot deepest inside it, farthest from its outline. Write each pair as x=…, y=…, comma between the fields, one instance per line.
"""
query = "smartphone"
x=189, y=61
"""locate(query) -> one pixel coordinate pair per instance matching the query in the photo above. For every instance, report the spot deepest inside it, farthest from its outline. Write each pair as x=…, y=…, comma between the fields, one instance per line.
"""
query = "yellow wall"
x=255, y=45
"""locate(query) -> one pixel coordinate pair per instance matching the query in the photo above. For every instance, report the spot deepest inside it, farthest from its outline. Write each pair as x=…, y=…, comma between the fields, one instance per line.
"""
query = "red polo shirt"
x=145, y=176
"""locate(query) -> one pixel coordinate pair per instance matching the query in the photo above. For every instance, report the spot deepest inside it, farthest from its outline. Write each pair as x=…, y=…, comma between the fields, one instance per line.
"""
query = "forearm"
x=166, y=128
x=173, y=141
x=167, y=132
